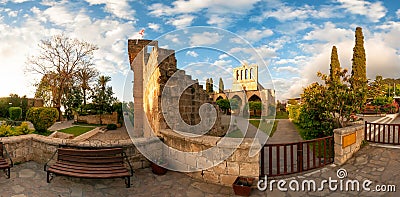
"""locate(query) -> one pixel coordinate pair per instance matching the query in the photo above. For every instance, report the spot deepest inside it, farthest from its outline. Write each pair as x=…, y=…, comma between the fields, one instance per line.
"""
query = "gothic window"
x=245, y=74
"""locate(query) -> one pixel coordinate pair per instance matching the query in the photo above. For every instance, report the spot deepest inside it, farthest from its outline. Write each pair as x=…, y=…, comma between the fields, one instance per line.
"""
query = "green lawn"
x=47, y=133
x=278, y=115
x=77, y=130
x=235, y=134
x=264, y=126
x=90, y=125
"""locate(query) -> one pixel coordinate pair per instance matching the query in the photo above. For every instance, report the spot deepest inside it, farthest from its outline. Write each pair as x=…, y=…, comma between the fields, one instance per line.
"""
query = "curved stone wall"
x=39, y=148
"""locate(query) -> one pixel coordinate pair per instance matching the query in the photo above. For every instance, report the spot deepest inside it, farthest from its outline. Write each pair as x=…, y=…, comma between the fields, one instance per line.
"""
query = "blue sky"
x=293, y=38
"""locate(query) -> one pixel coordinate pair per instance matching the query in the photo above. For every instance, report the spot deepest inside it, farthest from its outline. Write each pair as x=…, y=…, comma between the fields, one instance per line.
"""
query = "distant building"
x=245, y=88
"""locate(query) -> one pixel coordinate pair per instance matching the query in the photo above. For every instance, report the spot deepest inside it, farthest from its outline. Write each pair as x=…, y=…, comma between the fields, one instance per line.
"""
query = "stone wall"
x=39, y=148
x=348, y=140
x=97, y=119
x=224, y=173
x=154, y=71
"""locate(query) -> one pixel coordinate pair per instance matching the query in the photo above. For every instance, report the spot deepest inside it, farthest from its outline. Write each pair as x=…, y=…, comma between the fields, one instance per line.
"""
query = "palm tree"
x=85, y=76
x=103, y=80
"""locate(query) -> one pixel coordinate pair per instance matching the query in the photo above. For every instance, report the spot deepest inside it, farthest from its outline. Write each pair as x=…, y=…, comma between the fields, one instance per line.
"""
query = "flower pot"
x=242, y=186
x=156, y=169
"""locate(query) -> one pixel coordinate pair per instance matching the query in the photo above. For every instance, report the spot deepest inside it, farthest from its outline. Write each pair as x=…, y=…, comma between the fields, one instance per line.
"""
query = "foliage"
x=117, y=107
x=86, y=75
x=358, y=79
x=111, y=126
x=8, y=130
x=255, y=105
x=282, y=115
x=15, y=113
x=265, y=126
x=72, y=102
x=382, y=100
x=224, y=105
x=294, y=112
x=58, y=61
x=13, y=123
x=335, y=65
x=234, y=103
x=42, y=117
x=209, y=85
x=102, y=96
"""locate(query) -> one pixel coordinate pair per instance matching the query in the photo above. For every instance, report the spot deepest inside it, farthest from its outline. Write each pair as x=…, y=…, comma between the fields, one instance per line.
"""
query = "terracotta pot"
x=242, y=186
x=156, y=169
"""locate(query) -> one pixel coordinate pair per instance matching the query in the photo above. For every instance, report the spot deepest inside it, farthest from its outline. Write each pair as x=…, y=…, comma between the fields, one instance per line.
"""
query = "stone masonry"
x=156, y=77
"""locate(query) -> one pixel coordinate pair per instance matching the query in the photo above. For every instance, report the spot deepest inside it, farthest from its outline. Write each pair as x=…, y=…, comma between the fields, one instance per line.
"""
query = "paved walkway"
x=379, y=165
x=285, y=132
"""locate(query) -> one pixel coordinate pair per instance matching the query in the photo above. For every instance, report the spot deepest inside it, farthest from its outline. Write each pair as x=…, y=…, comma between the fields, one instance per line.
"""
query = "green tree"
x=102, y=96
x=42, y=117
x=85, y=75
x=221, y=86
x=224, y=104
x=358, y=79
x=335, y=66
x=58, y=61
x=255, y=105
x=15, y=113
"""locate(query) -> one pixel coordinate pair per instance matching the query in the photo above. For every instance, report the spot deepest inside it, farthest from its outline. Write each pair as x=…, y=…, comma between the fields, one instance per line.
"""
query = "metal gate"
x=382, y=133
x=289, y=158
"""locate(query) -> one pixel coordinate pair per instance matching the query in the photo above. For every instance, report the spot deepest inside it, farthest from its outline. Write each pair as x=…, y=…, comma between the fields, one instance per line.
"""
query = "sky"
x=292, y=38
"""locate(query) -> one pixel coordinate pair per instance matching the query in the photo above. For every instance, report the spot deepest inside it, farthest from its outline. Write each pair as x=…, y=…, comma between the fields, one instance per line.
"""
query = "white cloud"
x=286, y=69
x=298, y=60
x=222, y=63
x=223, y=56
x=218, y=12
x=181, y=21
x=192, y=53
x=398, y=13
x=373, y=11
x=120, y=8
x=205, y=38
x=257, y=55
x=285, y=13
x=173, y=38
x=154, y=26
x=329, y=32
x=14, y=1
x=256, y=34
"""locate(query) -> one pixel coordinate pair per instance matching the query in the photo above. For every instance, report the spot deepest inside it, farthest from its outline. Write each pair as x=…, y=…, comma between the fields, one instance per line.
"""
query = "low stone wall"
x=224, y=173
x=39, y=148
x=98, y=119
x=347, y=141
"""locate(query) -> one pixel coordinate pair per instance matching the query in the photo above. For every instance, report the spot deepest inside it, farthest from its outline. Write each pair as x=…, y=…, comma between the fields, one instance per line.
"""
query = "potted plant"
x=158, y=166
x=242, y=186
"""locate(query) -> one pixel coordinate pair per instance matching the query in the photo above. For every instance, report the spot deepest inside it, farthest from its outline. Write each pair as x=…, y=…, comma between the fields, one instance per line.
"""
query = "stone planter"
x=242, y=186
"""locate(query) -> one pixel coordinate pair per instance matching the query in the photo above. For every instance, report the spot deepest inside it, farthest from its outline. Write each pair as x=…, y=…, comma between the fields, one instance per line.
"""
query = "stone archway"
x=219, y=98
x=239, y=106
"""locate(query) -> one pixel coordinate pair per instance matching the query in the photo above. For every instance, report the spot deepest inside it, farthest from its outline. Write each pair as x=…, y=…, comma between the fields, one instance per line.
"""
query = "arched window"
x=245, y=74
x=237, y=75
x=241, y=74
x=251, y=71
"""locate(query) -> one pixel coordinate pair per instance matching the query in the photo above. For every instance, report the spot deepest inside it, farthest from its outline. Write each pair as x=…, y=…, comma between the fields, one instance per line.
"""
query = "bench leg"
x=8, y=173
x=49, y=177
x=128, y=182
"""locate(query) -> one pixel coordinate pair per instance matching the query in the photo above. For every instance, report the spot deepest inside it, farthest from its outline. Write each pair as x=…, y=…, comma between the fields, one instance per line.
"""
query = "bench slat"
x=88, y=175
x=91, y=160
x=97, y=165
x=88, y=171
x=98, y=152
x=91, y=168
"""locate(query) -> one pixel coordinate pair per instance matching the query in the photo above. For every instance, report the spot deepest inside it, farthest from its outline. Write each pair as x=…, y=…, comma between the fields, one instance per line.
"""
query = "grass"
x=77, y=130
x=47, y=133
x=89, y=125
x=278, y=115
x=235, y=134
x=264, y=126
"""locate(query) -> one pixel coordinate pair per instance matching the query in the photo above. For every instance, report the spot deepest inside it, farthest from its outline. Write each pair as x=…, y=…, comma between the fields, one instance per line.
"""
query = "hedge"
x=42, y=117
x=15, y=113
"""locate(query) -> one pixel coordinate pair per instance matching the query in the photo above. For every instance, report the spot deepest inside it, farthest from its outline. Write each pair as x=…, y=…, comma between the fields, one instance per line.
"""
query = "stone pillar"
x=137, y=60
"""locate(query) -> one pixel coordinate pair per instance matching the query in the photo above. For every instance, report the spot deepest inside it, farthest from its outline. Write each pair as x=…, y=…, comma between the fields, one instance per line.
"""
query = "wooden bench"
x=90, y=163
x=4, y=165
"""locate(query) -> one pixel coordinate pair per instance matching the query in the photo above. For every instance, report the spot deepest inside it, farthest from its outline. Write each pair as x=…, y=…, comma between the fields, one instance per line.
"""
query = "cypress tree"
x=221, y=85
x=207, y=85
x=335, y=66
x=359, y=71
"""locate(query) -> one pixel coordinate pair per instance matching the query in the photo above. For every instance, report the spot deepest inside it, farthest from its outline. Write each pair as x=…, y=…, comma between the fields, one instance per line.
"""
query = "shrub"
x=24, y=128
x=294, y=112
x=15, y=113
x=111, y=126
x=5, y=130
x=42, y=117
x=13, y=123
